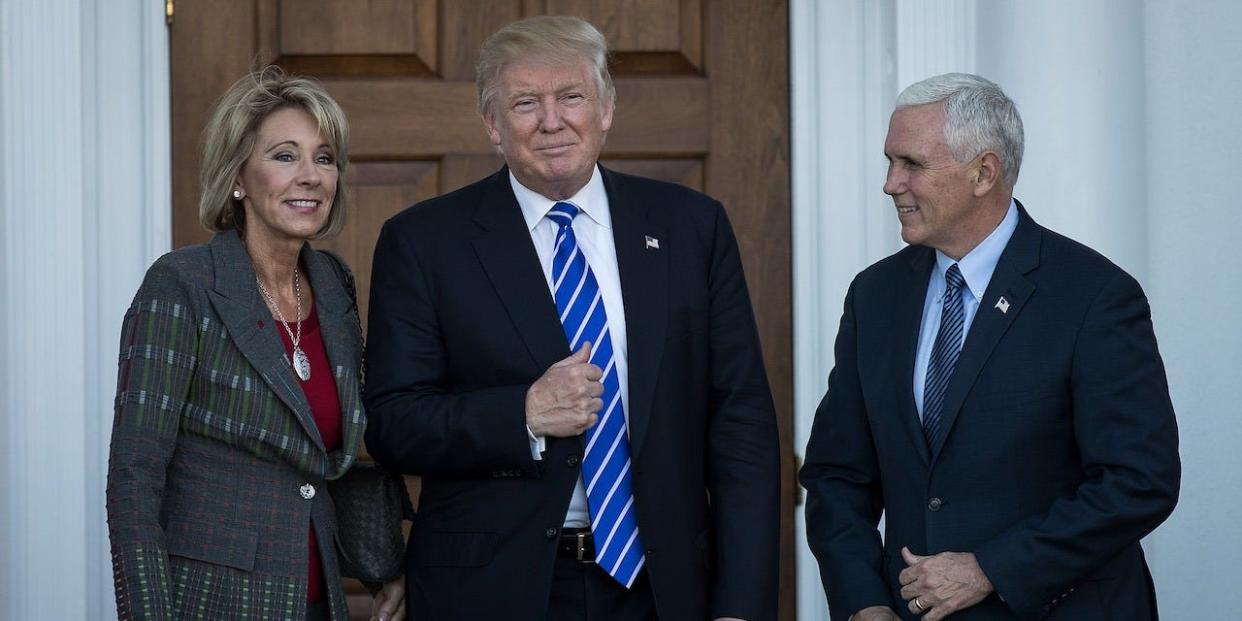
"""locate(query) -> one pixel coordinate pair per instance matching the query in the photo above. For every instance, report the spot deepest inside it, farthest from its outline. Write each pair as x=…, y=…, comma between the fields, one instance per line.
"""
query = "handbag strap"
x=347, y=279
x=398, y=482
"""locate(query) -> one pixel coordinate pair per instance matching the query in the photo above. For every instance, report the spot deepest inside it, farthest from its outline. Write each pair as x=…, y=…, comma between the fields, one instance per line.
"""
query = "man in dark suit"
x=997, y=394
x=568, y=356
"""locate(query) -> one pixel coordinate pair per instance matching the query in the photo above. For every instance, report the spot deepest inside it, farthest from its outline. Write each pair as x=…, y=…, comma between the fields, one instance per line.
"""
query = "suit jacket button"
x=550, y=533
x=307, y=491
x=934, y=504
x=572, y=462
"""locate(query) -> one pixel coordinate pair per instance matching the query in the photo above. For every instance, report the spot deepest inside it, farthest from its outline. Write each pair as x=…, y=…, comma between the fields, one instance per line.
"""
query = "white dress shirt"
x=976, y=267
x=593, y=230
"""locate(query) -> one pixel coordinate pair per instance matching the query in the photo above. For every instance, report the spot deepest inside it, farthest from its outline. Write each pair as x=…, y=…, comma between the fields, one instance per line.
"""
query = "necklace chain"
x=297, y=291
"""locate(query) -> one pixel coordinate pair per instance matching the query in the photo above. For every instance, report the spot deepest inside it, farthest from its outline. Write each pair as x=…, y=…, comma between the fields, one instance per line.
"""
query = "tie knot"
x=953, y=278
x=563, y=213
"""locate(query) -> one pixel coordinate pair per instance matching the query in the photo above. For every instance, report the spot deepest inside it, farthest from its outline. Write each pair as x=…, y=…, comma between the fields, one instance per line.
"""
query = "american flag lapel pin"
x=1003, y=304
x=652, y=242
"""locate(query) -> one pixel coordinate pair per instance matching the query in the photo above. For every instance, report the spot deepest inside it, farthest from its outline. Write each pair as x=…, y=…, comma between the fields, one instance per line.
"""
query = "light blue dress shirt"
x=976, y=267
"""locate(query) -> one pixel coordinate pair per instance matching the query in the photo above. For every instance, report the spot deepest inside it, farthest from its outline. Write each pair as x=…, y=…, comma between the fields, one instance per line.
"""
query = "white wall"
x=1132, y=122
x=1193, y=57
x=84, y=206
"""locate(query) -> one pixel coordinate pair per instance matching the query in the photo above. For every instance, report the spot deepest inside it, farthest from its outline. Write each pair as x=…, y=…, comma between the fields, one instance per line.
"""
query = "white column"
x=935, y=37
x=849, y=59
x=129, y=221
x=1075, y=70
x=842, y=87
x=84, y=186
x=43, y=297
x=1193, y=58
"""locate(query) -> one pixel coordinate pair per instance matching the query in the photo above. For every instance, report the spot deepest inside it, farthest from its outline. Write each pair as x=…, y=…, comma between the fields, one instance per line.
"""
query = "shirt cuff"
x=537, y=444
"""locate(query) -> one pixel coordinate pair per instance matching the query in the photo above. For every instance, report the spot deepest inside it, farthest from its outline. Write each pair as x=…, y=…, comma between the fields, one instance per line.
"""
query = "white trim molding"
x=935, y=37
x=842, y=85
x=84, y=201
x=849, y=59
x=43, y=296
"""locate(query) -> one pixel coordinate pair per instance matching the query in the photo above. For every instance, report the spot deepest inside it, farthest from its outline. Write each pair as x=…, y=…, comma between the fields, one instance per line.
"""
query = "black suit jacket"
x=1057, y=450
x=462, y=322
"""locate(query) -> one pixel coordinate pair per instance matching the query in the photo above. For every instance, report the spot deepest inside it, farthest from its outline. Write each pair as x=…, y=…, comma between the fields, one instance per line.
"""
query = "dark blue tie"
x=606, y=464
x=944, y=353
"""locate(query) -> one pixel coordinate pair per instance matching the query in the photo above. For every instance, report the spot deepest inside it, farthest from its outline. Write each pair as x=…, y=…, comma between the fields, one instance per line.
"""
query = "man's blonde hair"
x=556, y=39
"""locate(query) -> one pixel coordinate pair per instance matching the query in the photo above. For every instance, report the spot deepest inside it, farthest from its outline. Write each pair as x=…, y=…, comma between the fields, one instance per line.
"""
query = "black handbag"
x=370, y=501
x=370, y=504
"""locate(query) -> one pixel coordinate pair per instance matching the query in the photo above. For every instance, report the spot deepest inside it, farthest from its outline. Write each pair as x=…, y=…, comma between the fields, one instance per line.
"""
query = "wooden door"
x=702, y=100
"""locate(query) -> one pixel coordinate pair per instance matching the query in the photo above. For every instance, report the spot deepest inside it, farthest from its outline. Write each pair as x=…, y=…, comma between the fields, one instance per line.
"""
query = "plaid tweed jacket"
x=213, y=443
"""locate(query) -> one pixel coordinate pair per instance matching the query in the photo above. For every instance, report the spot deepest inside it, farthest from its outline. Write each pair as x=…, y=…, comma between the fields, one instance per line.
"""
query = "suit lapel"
x=339, y=329
x=237, y=302
x=508, y=256
x=909, y=308
x=1021, y=255
x=644, y=291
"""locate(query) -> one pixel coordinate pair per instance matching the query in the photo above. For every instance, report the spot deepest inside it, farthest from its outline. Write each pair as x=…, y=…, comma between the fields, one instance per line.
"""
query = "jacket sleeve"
x=842, y=478
x=1127, y=436
x=743, y=454
x=158, y=354
x=416, y=422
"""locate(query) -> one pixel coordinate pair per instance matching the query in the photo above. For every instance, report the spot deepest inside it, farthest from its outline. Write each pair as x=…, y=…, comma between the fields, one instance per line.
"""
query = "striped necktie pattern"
x=944, y=352
x=606, y=464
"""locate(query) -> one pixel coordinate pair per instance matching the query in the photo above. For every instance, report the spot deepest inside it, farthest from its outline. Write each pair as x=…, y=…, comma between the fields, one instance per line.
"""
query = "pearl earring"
x=237, y=194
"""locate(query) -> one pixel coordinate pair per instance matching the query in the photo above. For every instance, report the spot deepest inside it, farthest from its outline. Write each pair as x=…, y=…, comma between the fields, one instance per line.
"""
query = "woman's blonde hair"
x=230, y=135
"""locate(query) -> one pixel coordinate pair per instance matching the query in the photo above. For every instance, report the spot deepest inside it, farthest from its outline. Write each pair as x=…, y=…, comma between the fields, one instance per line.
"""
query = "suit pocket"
x=452, y=549
x=212, y=543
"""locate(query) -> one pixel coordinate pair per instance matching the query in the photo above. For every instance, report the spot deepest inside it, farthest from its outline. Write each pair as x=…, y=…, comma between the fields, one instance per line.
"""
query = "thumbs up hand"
x=565, y=400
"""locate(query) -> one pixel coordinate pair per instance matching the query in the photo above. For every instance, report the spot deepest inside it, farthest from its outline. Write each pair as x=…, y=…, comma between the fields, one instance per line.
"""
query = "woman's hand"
x=389, y=603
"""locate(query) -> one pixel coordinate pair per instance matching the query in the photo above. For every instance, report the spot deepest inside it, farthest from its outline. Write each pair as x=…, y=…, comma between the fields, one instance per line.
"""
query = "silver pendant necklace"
x=301, y=364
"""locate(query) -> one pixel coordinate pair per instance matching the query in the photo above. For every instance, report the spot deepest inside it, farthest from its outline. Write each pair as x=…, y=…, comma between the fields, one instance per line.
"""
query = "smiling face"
x=936, y=197
x=550, y=122
x=289, y=180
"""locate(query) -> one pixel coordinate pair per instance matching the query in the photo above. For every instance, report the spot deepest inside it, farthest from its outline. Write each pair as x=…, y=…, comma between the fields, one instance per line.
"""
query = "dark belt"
x=576, y=544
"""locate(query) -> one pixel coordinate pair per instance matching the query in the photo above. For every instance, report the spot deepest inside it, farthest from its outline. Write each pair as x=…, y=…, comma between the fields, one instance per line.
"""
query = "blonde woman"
x=237, y=393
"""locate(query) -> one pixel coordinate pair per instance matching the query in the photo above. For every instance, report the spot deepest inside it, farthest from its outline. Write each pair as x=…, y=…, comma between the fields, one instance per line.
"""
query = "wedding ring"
x=918, y=604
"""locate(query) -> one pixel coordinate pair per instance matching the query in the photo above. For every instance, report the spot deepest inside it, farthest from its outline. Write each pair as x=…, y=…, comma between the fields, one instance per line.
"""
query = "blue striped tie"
x=606, y=465
x=944, y=353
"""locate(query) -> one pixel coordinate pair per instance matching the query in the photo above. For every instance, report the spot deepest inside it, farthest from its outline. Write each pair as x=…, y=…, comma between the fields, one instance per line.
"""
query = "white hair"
x=979, y=117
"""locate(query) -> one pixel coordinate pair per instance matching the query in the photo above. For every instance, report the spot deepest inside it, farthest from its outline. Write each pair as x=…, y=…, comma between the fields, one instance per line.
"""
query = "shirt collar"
x=592, y=200
x=978, y=264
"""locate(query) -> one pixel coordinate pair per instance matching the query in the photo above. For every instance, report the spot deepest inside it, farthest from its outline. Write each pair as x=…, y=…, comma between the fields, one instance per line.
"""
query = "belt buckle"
x=581, y=538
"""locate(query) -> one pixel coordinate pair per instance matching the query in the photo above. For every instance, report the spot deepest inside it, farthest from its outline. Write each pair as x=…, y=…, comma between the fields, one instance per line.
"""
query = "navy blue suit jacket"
x=462, y=322
x=1057, y=450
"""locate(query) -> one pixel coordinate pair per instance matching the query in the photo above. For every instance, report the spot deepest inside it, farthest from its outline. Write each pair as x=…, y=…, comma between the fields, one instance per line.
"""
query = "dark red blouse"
x=325, y=406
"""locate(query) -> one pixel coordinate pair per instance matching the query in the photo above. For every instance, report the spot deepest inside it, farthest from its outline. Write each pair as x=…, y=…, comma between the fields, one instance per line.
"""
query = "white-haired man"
x=997, y=394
